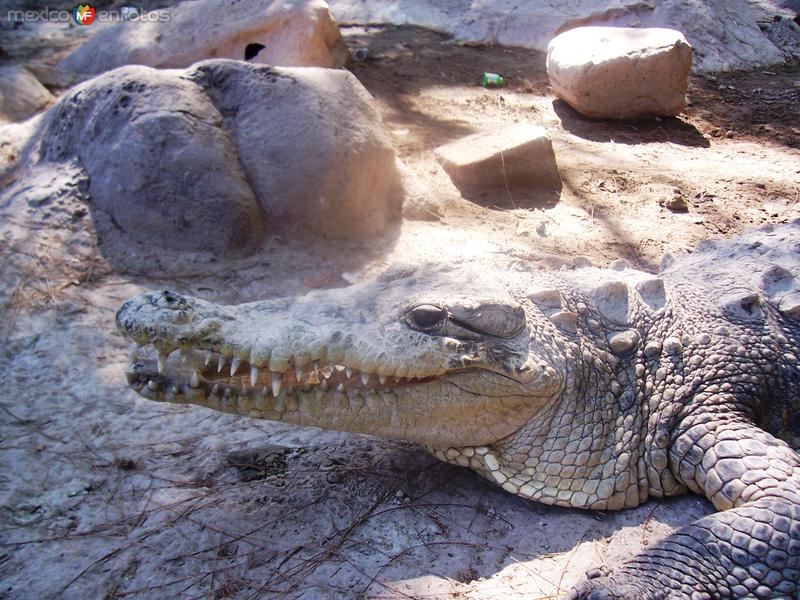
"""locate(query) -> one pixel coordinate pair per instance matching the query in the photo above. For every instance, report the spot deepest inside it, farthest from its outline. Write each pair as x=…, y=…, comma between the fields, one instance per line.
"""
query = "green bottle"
x=493, y=80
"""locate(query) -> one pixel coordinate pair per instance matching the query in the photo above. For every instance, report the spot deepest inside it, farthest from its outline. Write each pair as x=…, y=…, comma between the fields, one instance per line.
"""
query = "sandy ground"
x=106, y=495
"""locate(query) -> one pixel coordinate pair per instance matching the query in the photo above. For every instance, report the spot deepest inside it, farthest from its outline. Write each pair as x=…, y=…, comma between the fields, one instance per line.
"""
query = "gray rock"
x=300, y=33
x=21, y=94
x=312, y=144
x=620, y=72
x=50, y=75
x=204, y=162
x=517, y=159
x=163, y=172
x=785, y=34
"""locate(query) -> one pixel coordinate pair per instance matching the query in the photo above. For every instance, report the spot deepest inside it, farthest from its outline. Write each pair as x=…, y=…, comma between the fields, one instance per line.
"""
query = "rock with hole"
x=292, y=34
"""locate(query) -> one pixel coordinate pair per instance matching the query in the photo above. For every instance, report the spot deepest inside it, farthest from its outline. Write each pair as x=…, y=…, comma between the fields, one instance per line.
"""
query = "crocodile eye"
x=426, y=316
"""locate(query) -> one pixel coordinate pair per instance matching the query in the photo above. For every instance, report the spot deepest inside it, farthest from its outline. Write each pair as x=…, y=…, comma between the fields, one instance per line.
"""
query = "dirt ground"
x=106, y=495
x=732, y=156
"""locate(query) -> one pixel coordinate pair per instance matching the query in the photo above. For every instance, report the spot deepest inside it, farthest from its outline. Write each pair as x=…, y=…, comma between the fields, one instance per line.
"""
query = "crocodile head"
x=417, y=354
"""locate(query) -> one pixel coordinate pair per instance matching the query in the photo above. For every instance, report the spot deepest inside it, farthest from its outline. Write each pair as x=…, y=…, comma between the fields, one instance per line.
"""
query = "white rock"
x=301, y=33
x=517, y=158
x=725, y=34
x=620, y=72
x=21, y=94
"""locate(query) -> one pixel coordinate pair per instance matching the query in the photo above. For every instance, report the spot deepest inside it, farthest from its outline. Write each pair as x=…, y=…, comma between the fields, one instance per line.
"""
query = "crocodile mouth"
x=204, y=374
x=463, y=405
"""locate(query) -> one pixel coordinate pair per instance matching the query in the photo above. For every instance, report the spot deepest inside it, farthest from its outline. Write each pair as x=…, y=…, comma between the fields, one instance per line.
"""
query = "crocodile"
x=585, y=387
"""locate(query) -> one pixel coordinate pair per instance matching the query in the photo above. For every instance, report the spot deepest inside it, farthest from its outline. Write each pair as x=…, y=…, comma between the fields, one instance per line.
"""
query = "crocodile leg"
x=751, y=550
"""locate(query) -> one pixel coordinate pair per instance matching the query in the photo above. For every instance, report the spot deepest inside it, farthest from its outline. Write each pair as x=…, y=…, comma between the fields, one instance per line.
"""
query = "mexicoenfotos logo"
x=83, y=14
x=86, y=14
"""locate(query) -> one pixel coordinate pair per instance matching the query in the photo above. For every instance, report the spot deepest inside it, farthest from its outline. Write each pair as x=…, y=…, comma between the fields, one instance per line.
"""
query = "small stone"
x=517, y=160
x=676, y=202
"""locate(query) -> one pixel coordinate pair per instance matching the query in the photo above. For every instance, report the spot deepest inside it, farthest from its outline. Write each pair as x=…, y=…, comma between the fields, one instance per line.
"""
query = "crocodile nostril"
x=173, y=301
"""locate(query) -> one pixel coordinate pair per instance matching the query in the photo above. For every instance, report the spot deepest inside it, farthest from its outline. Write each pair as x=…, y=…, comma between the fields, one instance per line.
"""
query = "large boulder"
x=312, y=143
x=163, y=171
x=725, y=34
x=620, y=72
x=207, y=160
x=301, y=33
x=515, y=162
x=21, y=94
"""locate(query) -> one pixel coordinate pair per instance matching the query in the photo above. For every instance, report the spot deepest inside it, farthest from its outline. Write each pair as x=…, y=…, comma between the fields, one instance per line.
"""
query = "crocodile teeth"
x=298, y=373
x=162, y=358
x=276, y=384
x=153, y=385
x=340, y=387
x=364, y=378
x=348, y=371
x=235, y=365
x=220, y=363
x=382, y=379
x=216, y=389
x=209, y=356
x=253, y=374
x=194, y=380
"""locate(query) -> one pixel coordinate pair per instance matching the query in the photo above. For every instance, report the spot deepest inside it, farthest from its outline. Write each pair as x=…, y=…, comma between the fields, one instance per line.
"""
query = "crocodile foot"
x=599, y=585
